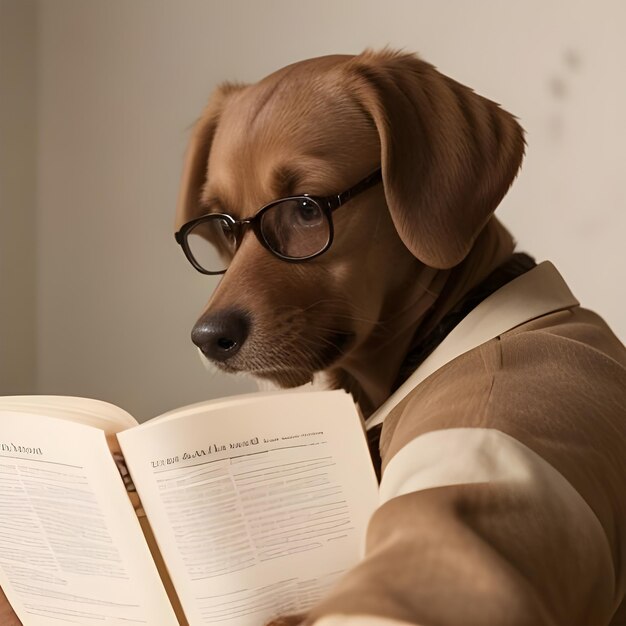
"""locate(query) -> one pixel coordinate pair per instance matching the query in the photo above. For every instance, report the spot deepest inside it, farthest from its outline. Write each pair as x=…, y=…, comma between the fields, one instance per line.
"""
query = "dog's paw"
x=287, y=620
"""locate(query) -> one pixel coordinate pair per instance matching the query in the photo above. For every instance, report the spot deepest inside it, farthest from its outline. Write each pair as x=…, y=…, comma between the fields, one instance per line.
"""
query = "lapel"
x=535, y=293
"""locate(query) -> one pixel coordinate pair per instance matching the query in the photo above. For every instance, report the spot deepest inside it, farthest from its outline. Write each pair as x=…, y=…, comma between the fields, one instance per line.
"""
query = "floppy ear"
x=448, y=155
x=197, y=156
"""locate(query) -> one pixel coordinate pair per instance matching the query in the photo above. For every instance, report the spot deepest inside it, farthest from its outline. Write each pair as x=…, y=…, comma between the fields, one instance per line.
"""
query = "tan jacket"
x=503, y=497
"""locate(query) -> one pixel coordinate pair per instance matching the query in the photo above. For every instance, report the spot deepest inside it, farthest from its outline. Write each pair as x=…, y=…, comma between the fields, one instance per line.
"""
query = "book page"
x=259, y=507
x=96, y=413
x=71, y=548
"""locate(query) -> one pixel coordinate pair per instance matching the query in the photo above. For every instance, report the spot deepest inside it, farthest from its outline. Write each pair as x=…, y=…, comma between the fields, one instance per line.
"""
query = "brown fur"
x=448, y=156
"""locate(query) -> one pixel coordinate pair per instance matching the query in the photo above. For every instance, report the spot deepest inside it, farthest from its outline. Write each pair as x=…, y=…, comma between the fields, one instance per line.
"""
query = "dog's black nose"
x=221, y=335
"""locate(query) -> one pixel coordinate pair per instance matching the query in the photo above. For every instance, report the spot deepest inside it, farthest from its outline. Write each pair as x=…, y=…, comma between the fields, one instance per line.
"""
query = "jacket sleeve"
x=502, y=497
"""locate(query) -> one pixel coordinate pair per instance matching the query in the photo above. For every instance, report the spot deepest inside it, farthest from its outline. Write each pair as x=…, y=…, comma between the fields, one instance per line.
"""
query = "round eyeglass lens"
x=296, y=228
x=212, y=244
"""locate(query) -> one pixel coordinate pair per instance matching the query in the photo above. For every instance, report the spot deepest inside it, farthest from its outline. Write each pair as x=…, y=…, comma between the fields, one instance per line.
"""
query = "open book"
x=258, y=504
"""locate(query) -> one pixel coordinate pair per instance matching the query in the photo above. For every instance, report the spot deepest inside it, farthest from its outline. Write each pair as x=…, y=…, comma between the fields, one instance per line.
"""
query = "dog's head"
x=318, y=127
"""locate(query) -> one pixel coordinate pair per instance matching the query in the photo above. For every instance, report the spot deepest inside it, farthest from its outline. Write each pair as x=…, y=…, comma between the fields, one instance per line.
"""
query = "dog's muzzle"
x=220, y=335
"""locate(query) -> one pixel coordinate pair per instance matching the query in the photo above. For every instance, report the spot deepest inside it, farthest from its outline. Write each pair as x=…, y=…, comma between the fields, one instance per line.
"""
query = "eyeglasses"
x=295, y=229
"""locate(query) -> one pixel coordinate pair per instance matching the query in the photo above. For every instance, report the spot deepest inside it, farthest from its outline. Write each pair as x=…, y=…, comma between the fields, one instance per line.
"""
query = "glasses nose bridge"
x=239, y=227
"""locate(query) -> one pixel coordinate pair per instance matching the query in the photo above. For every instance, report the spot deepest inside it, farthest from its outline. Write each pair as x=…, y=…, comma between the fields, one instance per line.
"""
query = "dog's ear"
x=448, y=155
x=197, y=156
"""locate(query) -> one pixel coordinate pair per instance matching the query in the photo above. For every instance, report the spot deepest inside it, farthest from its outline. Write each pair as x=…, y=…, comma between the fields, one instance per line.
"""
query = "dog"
x=504, y=462
x=503, y=445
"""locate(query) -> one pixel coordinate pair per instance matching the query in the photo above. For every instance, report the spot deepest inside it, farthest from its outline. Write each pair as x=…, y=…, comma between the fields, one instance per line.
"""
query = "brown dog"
x=529, y=528
x=447, y=157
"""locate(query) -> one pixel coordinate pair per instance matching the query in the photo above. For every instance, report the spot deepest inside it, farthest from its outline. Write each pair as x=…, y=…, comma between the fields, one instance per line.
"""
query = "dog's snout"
x=221, y=335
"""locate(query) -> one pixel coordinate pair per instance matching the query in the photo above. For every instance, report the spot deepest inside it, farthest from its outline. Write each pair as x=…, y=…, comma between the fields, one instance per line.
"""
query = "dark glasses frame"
x=328, y=204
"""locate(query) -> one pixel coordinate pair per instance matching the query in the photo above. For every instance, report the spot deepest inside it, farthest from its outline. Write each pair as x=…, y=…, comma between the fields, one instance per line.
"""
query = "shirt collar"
x=535, y=293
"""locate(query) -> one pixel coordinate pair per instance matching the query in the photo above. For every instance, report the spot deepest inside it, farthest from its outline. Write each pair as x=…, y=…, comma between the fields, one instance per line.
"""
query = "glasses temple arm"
x=371, y=180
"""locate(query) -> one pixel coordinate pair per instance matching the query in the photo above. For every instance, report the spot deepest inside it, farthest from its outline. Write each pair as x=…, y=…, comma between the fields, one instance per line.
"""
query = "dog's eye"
x=307, y=213
x=295, y=228
x=227, y=232
x=224, y=238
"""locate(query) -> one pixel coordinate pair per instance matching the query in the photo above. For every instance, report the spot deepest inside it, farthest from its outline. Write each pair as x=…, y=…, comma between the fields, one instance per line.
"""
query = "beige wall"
x=18, y=218
x=119, y=83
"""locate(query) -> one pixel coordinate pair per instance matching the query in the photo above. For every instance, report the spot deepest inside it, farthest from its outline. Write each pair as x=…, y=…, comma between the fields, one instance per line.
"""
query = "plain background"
x=97, y=98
